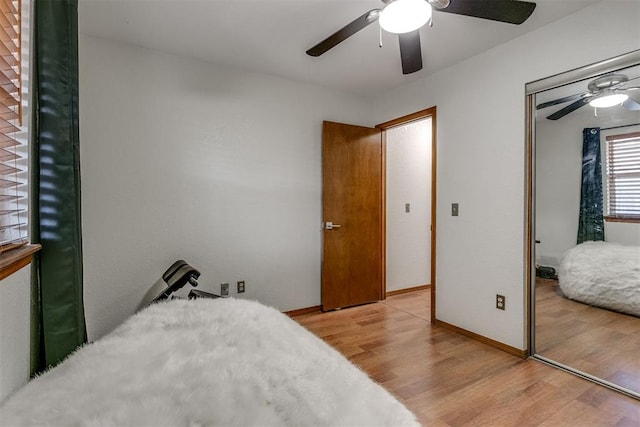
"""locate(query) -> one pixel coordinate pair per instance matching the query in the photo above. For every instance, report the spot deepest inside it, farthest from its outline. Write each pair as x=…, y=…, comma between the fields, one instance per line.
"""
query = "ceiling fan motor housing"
x=606, y=82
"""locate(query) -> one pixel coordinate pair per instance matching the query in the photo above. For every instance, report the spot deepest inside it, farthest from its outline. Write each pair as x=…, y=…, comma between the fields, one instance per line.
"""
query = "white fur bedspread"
x=602, y=274
x=205, y=362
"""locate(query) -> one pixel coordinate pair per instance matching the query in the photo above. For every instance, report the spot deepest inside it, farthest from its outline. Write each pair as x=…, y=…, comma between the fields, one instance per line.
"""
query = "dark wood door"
x=352, y=183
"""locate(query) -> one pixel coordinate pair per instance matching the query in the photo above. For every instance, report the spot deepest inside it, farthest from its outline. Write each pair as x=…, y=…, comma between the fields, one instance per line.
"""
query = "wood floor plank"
x=594, y=340
x=451, y=380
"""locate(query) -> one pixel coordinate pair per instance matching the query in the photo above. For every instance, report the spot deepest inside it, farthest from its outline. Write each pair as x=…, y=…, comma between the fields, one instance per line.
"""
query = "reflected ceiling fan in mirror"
x=406, y=17
x=604, y=92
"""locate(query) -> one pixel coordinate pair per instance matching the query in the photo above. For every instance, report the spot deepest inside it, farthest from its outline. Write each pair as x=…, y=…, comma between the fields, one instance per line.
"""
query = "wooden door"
x=352, y=199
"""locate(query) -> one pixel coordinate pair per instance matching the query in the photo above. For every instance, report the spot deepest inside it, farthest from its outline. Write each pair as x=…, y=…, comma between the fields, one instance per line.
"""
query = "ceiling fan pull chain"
x=380, y=40
x=595, y=111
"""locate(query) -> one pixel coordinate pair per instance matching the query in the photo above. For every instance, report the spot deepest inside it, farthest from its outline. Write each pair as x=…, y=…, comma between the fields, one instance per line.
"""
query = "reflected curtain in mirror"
x=591, y=220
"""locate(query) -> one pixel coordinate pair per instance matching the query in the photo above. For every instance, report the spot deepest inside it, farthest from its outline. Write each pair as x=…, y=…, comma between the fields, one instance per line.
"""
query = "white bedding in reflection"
x=602, y=274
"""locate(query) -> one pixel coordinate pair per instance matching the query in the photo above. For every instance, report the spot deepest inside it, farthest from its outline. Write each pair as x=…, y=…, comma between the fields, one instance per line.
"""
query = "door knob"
x=330, y=225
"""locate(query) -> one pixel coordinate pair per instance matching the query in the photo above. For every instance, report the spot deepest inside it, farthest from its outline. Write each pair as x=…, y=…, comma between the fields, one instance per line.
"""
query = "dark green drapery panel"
x=58, y=323
x=591, y=220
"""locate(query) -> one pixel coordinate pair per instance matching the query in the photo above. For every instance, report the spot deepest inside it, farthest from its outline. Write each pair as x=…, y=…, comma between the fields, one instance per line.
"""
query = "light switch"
x=454, y=209
x=407, y=207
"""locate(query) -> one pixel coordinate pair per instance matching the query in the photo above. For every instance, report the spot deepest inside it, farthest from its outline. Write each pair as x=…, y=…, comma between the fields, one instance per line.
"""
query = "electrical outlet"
x=241, y=286
x=224, y=289
x=501, y=302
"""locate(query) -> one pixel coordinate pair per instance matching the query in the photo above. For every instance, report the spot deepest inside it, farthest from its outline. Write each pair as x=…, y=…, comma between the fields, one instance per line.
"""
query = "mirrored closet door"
x=584, y=221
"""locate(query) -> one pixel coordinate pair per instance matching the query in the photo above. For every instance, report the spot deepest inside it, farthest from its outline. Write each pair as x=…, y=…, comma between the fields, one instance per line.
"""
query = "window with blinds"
x=623, y=177
x=13, y=137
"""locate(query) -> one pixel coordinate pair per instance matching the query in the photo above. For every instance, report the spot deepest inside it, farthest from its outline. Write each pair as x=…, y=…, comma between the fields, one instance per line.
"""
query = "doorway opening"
x=354, y=210
x=409, y=154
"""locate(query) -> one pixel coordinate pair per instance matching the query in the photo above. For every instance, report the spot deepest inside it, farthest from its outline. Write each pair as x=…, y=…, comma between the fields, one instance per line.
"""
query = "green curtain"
x=591, y=219
x=58, y=325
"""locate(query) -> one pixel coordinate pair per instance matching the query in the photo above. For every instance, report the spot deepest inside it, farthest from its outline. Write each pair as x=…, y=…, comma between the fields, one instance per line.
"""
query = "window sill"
x=14, y=259
x=621, y=219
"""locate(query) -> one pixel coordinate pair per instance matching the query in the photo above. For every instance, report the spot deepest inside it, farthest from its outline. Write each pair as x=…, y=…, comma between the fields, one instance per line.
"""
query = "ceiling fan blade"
x=410, y=52
x=561, y=100
x=509, y=11
x=569, y=108
x=344, y=33
x=631, y=104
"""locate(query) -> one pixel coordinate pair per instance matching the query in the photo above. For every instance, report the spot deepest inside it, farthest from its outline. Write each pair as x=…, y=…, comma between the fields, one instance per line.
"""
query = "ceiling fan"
x=406, y=17
x=604, y=92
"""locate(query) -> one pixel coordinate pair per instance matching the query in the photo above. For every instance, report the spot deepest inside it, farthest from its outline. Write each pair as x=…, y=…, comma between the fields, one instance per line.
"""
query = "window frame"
x=14, y=257
x=609, y=177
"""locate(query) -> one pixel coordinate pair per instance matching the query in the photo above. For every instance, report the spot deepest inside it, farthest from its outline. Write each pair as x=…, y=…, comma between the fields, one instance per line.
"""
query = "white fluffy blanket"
x=205, y=362
x=602, y=274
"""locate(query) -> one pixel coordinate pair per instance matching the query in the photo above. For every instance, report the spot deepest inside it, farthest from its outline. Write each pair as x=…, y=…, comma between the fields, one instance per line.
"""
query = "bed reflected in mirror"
x=586, y=223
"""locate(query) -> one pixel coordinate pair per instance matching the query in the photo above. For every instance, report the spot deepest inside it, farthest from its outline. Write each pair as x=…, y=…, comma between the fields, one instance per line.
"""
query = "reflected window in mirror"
x=622, y=165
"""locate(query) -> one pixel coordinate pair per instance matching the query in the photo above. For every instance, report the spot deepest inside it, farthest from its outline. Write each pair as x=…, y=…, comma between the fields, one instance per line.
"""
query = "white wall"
x=184, y=159
x=481, y=158
x=409, y=181
x=14, y=331
x=559, y=177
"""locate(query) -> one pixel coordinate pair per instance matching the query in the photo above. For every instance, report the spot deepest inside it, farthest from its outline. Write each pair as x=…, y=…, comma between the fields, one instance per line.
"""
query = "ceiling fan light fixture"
x=403, y=16
x=608, y=100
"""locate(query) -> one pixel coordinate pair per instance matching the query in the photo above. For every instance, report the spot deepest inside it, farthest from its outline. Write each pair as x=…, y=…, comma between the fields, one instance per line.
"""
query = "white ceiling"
x=271, y=36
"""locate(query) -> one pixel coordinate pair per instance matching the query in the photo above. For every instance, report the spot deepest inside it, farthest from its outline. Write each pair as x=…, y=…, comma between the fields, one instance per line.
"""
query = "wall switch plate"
x=501, y=302
x=224, y=289
x=454, y=209
x=240, y=286
x=407, y=207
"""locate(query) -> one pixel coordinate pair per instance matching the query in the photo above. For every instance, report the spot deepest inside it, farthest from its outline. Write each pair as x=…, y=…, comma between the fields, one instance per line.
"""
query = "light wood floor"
x=450, y=380
x=600, y=342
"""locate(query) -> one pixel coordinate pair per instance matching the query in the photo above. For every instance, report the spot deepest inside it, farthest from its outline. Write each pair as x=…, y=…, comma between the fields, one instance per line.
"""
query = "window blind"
x=13, y=140
x=623, y=176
